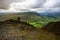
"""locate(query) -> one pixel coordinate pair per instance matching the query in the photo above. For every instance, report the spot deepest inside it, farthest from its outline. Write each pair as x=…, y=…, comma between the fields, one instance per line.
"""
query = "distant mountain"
x=23, y=15
x=50, y=14
x=29, y=15
x=43, y=14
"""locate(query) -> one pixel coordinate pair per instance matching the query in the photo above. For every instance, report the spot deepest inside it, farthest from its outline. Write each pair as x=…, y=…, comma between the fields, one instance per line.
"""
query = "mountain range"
x=52, y=14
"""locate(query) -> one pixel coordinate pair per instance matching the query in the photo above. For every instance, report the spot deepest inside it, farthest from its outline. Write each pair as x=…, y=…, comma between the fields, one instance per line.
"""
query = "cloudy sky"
x=29, y=5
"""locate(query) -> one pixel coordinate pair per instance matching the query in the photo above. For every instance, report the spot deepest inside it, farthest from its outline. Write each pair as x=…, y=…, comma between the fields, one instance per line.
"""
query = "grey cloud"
x=5, y=3
x=39, y=3
x=52, y=3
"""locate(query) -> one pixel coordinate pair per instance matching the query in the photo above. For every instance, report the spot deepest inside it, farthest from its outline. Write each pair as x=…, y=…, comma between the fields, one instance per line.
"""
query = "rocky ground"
x=16, y=30
x=53, y=27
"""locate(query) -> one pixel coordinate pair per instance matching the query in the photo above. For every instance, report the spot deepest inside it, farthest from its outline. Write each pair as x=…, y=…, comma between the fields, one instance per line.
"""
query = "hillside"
x=30, y=17
x=53, y=27
x=18, y=30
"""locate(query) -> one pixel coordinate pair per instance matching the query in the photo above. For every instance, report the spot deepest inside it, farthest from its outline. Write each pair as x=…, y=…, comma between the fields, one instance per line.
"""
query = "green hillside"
x=31, y=18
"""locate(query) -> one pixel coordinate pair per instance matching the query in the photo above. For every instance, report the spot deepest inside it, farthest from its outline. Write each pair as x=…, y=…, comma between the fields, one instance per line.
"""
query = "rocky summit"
x=18, y=30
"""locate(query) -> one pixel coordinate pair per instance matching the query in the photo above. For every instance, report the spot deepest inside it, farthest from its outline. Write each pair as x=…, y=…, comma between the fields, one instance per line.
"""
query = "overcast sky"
x=14, y=5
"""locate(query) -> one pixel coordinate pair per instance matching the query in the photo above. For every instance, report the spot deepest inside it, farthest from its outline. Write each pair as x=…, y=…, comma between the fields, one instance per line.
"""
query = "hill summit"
x=17, y=30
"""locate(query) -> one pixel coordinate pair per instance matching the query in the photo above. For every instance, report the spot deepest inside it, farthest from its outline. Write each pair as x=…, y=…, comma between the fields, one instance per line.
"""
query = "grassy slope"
x=31, y=17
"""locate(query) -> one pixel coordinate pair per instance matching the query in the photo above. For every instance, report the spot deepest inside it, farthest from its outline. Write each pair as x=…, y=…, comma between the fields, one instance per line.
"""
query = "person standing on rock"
x=18, y=19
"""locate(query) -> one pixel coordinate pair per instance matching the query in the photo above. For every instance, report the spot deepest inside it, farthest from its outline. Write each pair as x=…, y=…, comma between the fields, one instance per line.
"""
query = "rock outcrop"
x=53, y=27
x=17, y=30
